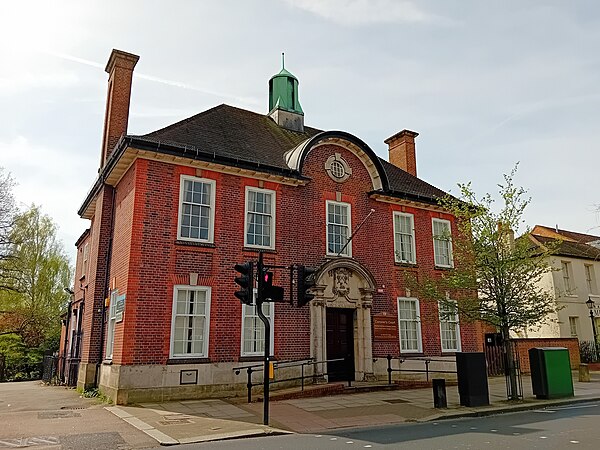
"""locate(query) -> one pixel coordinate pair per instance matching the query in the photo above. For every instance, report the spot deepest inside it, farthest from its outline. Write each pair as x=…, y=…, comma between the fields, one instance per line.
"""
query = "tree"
x=7, y=216
x=32, y=306
x=495, y=278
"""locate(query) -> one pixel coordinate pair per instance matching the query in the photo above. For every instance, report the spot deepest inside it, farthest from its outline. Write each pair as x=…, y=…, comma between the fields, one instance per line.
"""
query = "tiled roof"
x=236, y=134
x=571, y=248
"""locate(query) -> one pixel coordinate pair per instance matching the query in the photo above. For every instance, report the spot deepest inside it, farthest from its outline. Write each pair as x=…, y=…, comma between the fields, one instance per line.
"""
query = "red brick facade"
x=134, y=229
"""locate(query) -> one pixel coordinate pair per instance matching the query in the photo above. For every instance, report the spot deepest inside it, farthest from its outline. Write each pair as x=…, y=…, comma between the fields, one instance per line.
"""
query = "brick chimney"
x=402, y=151
x=120, y=72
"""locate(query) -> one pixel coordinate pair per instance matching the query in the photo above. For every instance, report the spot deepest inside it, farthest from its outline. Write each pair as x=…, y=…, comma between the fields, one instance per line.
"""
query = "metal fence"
x=49, y=368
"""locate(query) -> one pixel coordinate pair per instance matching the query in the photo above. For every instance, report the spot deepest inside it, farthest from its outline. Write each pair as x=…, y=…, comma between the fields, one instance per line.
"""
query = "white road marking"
x=333, y=439
x=574, y=442
x=349, y=442
x=494, y=431
x=543, y=437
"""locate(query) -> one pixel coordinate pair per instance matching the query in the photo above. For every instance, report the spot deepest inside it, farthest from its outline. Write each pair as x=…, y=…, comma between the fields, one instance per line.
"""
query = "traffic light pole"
x=265, y=320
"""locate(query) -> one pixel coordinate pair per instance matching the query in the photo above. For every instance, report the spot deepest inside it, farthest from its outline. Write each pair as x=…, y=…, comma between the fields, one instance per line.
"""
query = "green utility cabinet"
x=551, y=372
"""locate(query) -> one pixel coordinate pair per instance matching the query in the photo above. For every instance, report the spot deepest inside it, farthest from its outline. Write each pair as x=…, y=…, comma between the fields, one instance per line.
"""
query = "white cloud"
x=365, y=12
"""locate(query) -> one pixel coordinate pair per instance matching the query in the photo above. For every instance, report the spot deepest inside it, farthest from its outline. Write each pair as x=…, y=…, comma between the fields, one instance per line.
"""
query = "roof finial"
x=282, y=60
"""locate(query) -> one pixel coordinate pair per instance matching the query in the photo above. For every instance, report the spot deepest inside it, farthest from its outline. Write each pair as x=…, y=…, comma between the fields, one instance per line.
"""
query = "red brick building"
x=172, y=211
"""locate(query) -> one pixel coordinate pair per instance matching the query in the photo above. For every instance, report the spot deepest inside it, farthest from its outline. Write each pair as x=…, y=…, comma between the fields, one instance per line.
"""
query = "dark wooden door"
x=340, y=344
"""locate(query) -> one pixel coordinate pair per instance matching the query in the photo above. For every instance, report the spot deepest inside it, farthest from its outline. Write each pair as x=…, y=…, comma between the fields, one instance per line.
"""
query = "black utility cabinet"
x=472, y=379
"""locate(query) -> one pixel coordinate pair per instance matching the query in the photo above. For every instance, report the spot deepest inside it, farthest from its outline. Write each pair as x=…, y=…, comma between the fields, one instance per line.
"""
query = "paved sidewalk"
x=205, y=420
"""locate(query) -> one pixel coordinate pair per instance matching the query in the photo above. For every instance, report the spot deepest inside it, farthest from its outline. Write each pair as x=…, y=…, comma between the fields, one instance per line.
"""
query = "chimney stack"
x=402, y=151
x=120, y=72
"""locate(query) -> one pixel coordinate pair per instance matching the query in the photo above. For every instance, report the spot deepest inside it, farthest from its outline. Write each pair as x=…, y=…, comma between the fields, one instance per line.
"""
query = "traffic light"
x=246, y=282
x=273, y=293
x=306, y=281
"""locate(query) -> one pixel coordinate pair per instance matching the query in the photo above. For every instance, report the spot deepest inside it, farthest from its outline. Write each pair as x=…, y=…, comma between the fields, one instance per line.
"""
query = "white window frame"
x=455, y=321
x=348, y=249
x=574, y=326
x=257, y=320
x=417, y=321
x=590, y=278
x=211, y=225
x=449, y=241
x=84, y=259
x=204, y=353
x=567, y=273
x=110, y=328
x=273, y=216
x=397, y=241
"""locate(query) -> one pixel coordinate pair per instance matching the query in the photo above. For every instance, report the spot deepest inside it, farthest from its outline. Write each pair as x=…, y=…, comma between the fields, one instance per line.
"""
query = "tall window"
x=260, y=218
x=338, y=229
x=567, y=277
x=253, y=329
x=196, y=209
x=573, y=325
x=442, y=243
x=409, y=325
x=189, y=329
x=404, y=238
x=112, y=320
x=590, y=278
x=84, y=259
x=449, y=327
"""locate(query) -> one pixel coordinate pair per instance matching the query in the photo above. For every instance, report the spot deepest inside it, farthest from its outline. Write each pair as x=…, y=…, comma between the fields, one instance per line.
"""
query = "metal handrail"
x=302, y=363
x=426, y=360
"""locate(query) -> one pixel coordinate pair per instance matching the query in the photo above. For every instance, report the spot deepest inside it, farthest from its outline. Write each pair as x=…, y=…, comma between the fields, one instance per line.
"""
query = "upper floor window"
x=196, y=209
x=449, y=326
x=260, y=218
x=409, y=325
x=567, y=272
x=590, y=278
x=85, y=258
x=442, y=243
x=253, y=329
x=404, y=238
x=573, y=326
x=338, y=229
x=190, y=321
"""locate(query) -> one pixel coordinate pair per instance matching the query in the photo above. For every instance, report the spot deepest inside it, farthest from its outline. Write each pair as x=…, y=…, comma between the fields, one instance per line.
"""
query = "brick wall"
x=148, y=261
x=523, y=346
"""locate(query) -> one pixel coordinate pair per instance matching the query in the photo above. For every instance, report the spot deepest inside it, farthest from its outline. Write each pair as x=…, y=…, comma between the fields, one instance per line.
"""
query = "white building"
x=573, y=281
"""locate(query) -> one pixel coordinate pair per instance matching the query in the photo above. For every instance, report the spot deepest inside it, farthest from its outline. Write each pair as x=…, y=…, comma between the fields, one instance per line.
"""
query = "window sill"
x=410, y=354
x=258, y=249
x=107, y=362
x=255, y=358
x=173, y=361
x=407, y=265
x=444, y=267
x=195, y=243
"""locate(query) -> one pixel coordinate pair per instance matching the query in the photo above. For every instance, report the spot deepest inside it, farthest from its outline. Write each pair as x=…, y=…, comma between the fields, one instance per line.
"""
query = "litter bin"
x=471, y=372
x=439, y=393
x=551, y=372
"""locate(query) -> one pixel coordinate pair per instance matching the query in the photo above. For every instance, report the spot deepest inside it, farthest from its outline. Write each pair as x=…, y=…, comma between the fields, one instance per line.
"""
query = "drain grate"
x=393, y=401
x=176, y=420
x=73, y=407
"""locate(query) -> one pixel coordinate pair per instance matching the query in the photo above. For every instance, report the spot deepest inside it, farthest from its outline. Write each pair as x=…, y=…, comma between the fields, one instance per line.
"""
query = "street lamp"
x=590, y=304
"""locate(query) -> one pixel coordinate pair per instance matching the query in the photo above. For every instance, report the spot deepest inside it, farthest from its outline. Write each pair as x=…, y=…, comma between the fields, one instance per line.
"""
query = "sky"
x=486, y=84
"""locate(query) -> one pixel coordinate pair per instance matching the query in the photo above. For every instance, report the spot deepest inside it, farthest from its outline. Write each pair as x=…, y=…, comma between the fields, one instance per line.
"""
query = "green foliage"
x=32, y=305
x=7, y=217
x=496, y=276
x=588, y=352
x=21, y=362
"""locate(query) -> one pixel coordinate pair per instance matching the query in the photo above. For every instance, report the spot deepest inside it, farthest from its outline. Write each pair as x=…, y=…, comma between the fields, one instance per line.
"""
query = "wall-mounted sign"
x=188, y=376
x=385, y=327
x=120, y=303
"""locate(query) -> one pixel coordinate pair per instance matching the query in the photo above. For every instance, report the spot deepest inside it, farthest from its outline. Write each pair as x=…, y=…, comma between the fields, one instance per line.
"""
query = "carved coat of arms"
x=341, y=281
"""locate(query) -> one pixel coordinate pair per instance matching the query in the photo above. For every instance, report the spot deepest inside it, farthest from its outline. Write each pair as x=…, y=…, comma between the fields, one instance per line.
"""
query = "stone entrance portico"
x=344, y=283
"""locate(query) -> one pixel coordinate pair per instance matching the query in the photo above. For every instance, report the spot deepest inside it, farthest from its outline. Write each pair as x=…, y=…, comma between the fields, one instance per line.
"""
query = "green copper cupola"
x=284, y=107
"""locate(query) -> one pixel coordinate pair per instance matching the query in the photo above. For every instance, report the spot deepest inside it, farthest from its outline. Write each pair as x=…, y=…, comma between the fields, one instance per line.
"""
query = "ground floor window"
x=189, y=329
x=409, y=325
x=112, y=320
x=253, y=329
x=449, y=326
